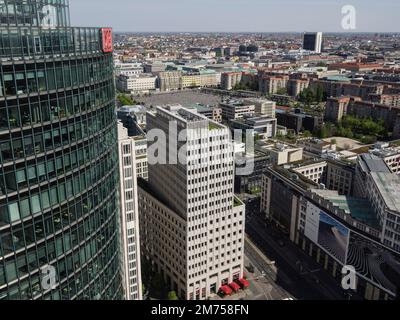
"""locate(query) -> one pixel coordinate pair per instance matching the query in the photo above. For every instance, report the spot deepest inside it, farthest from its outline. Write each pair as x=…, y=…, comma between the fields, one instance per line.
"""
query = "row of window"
x=48, y=168
x=43, y=113
x=34, y=13
x=52, y=195
x=41, y=42
x=21, y=79
x=99, y=271
x=91, y=234
x=49, y=138
x=71, y=236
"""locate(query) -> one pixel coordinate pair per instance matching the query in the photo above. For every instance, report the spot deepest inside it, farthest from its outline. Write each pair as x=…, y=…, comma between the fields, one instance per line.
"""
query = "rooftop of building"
x=372, y=163
x=199, y=107
x=359, y=209
x=360, y=150
x=132, y=109
x=339, y=78
x=389, y=187
x=293, y=113
x=296, y=178
x=258, y=100
x=385, y=152
x=253, y=155
x=277, y=146
x=316, y=142
x=181, y=113
x=395, y=143
x=233, y=103
x=186, y=115
x=304, y=163
x=339, y=99
x=254, y=118
x=137, y=76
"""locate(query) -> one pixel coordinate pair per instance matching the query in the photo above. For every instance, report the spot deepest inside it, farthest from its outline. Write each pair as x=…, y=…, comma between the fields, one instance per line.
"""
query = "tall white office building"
x=312, y=41
x=141, y=156
x=192, y=226
x=129, y=222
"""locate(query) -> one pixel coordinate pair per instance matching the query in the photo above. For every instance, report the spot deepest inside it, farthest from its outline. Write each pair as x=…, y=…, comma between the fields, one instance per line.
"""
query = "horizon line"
x=265, y=32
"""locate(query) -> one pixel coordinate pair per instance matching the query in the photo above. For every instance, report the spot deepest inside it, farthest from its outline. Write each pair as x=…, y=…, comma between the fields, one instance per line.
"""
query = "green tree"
x=319, y=93
x=307, y=134
x=351, y=126
x=307, y=96
x=240, y=86
x=325, y=131
x=125, y=100
x=281, y=91
x=172, y=295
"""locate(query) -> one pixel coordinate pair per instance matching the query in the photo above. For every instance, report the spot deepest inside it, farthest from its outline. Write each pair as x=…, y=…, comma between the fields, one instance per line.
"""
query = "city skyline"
x=220, y=15
x=201, y=164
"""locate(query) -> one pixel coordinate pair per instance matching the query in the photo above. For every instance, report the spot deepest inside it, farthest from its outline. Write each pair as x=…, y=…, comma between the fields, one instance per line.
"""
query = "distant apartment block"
x=263, y=106
x=271, y=84
x=178, y=80
x=128, y=69
x=336, y=108
x=345, y=88
x=136, y=83
x=355, y=66
x=317, y=146
x=154, y=68
x=298, y=121
x=261, y=126
x=230, y=79
x=366, y=109
x=312, y=170
x=281, y=154
x=169, y=80
x=212, y=113
x=297, y=86
x=387, y=99
x=312, y=41
x=235, y=109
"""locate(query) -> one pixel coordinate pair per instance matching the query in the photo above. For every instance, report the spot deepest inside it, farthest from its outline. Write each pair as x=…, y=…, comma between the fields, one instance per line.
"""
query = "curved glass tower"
x=58, y=156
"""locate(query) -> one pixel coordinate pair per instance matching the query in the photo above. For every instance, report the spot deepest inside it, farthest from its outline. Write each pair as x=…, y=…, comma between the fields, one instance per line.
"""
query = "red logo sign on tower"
x=107, y=41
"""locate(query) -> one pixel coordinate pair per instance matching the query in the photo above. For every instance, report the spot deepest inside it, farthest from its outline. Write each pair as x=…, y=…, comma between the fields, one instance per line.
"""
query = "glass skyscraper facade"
x=58, y=156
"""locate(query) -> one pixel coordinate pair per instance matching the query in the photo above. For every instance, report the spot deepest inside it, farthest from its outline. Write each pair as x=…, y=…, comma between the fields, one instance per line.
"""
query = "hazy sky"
x=235, y=15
